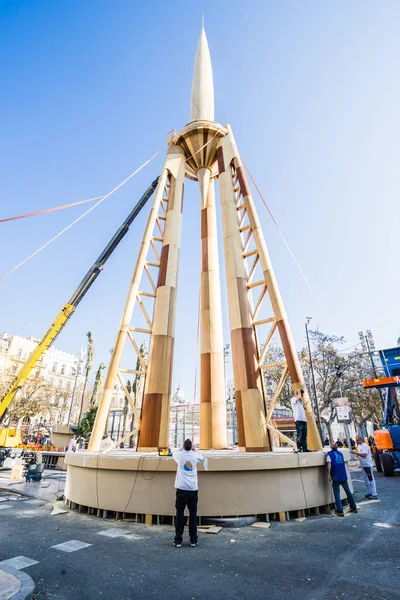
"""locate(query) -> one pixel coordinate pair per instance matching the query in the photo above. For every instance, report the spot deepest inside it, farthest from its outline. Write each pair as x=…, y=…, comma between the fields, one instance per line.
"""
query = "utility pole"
x=308, y=319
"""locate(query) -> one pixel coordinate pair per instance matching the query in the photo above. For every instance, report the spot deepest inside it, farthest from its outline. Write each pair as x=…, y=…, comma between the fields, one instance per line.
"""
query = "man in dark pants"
x=338, y=475
x=300, y=418
x=186, y=491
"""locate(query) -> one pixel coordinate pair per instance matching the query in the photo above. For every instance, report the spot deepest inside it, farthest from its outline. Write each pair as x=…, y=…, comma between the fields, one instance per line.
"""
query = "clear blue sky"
x=90, y=90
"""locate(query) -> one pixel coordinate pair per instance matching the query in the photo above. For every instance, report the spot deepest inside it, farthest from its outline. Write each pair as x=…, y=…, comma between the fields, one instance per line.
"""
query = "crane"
x=69, y=308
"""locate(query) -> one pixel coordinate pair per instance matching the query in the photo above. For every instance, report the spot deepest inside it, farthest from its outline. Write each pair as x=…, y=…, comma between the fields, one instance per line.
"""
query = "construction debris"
x=262, y=525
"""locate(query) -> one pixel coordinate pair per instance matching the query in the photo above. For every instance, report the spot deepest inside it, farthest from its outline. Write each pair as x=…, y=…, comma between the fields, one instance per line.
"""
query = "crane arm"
x=69, y=308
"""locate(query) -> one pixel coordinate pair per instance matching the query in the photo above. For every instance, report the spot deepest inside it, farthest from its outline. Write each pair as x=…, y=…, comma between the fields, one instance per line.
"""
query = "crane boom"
x=69, y=308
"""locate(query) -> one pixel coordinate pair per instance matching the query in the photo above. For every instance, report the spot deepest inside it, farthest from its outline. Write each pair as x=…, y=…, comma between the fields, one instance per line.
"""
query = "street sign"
x=342, y=410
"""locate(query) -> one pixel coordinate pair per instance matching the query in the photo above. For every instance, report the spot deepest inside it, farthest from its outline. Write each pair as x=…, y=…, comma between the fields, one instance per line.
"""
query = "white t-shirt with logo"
x=365, y=449
x=298, y=409
x=186, y=473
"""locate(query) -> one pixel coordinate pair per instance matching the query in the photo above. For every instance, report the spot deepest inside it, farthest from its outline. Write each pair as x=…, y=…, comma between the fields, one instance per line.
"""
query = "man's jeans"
x=301, y=430
x=336, y=491
x=368, y=474
x=186, y=498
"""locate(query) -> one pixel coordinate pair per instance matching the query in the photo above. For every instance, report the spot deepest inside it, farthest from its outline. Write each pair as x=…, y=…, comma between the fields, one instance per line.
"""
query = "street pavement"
x=73, y=555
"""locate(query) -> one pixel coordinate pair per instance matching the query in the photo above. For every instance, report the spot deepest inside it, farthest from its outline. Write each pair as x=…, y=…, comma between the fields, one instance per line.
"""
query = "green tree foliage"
x=88, y=368
x=97, y=384
x=85, y=427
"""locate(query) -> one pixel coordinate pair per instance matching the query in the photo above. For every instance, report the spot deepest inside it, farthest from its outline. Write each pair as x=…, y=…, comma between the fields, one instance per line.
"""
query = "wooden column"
x=250, y=410
x=111, y=378
x=157, y=392
x=288, y=346
x=213, y=432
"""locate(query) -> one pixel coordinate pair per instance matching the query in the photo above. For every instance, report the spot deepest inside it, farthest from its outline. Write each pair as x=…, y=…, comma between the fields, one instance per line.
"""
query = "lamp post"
x=308, y=319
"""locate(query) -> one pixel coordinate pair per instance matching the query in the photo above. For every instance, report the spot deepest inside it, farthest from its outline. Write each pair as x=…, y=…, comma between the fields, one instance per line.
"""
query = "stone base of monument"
x=140, y=486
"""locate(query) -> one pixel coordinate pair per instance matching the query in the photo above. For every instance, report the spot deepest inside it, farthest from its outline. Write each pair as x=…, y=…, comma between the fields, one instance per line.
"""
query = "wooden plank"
x=282, y=435
x=132, y=372
x=267, y=342
x=281, y=363
x=263, y=321
x=140, y=330
x=144, y=311
x=277, y=394
x=137, y=350
x=251, y=253
x=256, y=284
x=259, y=302
x=253, y=268
x=282, y=516
x=147, y=294
x=153, y=285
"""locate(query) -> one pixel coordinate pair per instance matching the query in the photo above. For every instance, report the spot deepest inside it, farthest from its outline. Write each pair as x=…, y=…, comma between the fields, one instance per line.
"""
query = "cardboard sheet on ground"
x=209, y=529
x=262, y=525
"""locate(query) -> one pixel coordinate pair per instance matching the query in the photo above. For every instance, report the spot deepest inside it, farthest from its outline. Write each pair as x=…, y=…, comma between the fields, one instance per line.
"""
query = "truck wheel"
x=387, y=464
x=377, y=459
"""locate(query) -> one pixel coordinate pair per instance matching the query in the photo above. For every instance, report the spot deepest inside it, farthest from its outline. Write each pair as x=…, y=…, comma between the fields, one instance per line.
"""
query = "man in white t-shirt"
x=186, y=491
x=300, y=418
x=366, y=463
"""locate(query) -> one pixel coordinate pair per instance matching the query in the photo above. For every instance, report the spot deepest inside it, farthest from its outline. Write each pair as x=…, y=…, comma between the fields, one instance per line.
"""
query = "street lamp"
x=308, y=319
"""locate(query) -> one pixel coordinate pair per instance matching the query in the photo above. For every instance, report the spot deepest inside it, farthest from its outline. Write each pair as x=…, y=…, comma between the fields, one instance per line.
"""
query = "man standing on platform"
x=366, y=464
x=186, y=491
x=300, y=418
x=338, y=475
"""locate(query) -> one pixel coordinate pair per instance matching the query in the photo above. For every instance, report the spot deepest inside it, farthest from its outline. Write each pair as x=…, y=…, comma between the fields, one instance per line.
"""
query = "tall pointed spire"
x=202, y=102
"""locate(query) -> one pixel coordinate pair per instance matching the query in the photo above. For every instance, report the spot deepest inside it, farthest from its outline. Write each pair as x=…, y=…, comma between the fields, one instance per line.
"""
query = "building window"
x=68, y=386
x=51, y=380
x=60, y=384
x=54, y=367
x=19, y=352
x=63, y=367
x=37, y=374
x=14, y=368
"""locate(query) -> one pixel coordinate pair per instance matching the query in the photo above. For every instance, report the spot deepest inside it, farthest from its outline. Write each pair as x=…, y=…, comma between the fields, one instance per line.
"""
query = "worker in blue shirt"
x=338, y=475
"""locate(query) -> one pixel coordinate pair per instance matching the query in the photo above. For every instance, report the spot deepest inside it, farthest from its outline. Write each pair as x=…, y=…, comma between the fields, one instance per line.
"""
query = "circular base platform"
x=235, y=484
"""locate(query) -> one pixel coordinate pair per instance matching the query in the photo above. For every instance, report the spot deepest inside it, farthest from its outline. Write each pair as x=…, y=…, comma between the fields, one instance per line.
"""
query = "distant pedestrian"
x=366, y=463
x=186, y=491
x=339, y=443
x=338, y=475
x=300, y=418
x=326, y=442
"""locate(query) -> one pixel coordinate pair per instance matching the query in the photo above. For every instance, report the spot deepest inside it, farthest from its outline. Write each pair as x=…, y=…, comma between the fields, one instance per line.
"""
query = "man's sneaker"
x=340, y=514
x=193, y=544
x=177, y=545
x=371, y=497
x=353, y=509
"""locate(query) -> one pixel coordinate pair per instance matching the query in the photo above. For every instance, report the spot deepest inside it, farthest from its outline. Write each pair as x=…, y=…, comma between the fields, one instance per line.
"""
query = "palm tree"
x=126, y=410
x=97, y=384
x=143, y=352
x=89, y=364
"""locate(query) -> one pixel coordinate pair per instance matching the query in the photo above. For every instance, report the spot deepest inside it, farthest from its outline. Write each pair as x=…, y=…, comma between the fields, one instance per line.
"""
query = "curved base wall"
x=236, y=484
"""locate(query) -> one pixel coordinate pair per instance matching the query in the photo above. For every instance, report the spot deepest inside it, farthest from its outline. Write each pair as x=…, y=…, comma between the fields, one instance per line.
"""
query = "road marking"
x=19, y=562
x=5, y=506
x=71, y=546
x=113, y=533
x=385, y=525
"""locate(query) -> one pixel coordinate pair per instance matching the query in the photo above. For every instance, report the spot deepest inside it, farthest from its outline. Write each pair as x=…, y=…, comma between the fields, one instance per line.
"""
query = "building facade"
x=63, y=371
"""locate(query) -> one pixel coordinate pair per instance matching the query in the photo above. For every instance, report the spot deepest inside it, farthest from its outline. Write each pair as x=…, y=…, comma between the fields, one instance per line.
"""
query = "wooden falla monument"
x=253, y=479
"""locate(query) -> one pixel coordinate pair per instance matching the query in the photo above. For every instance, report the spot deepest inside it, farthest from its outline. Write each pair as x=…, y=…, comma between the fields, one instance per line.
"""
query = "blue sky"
x=90, y=90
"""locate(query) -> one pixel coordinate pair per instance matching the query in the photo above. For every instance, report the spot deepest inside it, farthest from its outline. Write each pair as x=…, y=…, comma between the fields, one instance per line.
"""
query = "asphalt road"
x=323, y=558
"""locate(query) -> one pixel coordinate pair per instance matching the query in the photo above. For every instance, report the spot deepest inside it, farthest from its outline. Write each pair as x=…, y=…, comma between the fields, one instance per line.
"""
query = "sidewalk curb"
x=27, y=584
